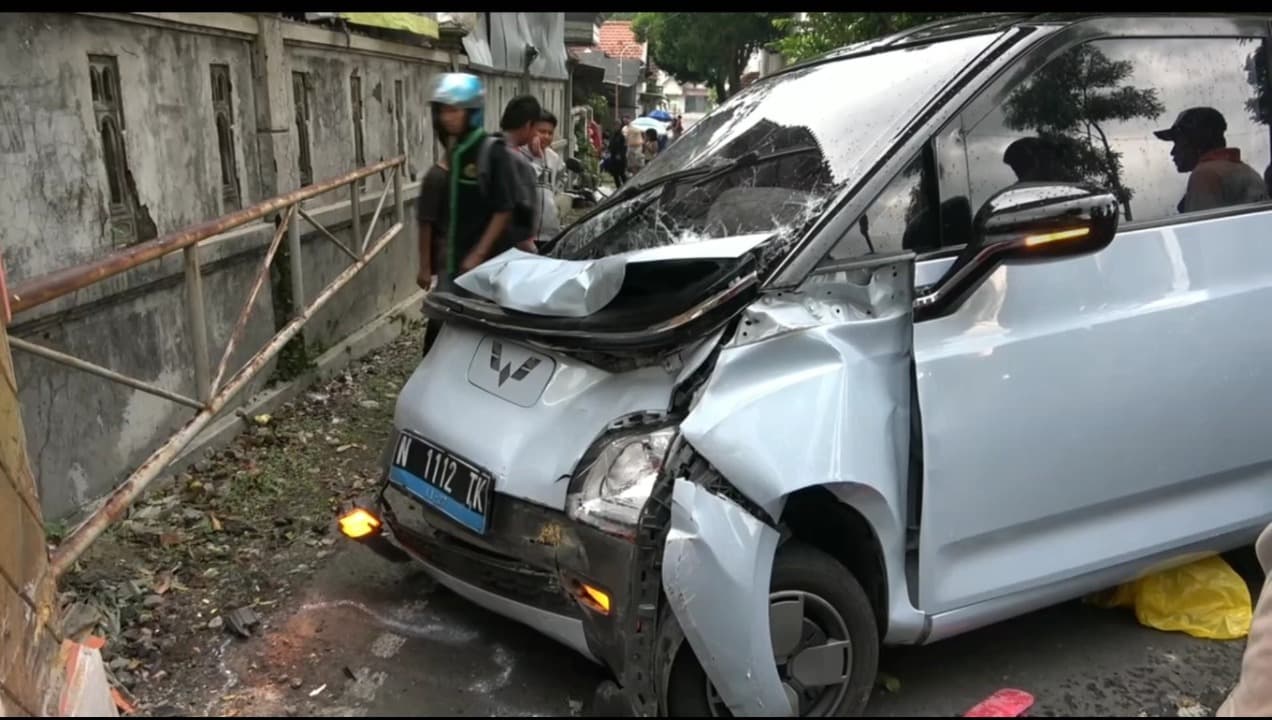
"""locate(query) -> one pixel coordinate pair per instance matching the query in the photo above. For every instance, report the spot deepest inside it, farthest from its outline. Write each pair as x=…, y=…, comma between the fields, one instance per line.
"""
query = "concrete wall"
x=85, y=433
x=28, y=627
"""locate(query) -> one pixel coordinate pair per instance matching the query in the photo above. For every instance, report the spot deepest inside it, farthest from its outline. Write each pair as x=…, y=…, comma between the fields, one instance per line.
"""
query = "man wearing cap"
x=1218, y=176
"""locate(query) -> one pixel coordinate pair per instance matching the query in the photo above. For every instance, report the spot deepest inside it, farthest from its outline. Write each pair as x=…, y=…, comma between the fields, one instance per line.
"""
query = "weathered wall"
x=28, y=628
x=83, y=431
x=53, y=186
x=86, y=434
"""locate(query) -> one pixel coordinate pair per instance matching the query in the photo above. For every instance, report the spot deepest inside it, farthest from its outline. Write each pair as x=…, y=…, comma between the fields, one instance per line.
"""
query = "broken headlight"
x=618, y=481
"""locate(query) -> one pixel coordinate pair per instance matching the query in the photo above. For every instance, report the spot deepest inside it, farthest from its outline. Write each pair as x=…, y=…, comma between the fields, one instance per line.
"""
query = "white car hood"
x=529, y=283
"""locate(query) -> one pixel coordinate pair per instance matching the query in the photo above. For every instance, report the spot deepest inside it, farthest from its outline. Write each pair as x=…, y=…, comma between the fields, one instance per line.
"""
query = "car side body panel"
x=1087, y=413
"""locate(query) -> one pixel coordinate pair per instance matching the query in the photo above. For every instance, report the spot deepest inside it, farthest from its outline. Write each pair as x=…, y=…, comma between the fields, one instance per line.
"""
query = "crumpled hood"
x=529, y=283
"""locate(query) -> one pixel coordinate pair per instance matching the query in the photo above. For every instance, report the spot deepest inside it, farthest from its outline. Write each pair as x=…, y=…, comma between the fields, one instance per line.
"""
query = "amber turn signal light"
x=359, y=523
x=1035, y=240
x=599, y=599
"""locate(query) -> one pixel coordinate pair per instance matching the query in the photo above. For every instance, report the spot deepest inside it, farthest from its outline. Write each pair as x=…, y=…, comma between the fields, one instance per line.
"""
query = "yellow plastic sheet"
x=1206, y=599
x=410, y=22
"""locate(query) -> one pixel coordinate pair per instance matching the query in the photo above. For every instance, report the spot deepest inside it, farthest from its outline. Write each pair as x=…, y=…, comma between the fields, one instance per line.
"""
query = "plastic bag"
x=1206, y=599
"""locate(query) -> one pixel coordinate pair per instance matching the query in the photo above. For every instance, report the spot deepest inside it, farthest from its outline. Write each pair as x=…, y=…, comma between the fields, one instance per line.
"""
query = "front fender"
x=814, y=391
x=714, y=556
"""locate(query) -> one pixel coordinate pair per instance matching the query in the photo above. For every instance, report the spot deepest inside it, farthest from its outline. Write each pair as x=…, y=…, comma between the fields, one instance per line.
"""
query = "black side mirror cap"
x=1025, y=223
x=573, y=165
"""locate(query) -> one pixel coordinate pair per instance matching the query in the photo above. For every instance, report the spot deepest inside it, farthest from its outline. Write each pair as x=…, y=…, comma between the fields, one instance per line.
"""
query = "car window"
x=901, y=218
x=1170, y=125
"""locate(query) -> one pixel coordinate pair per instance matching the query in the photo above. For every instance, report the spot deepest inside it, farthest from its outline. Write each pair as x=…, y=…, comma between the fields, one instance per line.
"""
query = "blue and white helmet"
x=462, y=90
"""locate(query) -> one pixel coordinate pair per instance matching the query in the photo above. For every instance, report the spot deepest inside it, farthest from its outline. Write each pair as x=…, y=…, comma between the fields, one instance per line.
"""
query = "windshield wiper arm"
x=753, y=158
x=710, y=172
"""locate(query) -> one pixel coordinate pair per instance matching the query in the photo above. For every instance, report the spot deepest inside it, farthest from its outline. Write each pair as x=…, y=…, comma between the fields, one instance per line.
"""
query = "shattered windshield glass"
x=772, y=157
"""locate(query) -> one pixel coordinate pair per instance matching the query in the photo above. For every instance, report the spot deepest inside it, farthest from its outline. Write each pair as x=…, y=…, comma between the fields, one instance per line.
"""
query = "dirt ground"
x=241, y=530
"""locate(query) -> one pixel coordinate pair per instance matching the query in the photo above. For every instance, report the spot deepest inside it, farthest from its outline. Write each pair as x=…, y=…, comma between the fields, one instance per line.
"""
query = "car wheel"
x=825, y=640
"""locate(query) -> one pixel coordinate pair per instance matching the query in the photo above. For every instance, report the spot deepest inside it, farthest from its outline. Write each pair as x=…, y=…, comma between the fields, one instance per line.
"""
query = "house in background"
x=697, y=102
x=631, y=60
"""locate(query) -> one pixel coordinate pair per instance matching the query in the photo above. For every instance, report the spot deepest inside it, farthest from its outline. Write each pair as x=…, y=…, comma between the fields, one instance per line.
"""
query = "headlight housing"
x=616, y=484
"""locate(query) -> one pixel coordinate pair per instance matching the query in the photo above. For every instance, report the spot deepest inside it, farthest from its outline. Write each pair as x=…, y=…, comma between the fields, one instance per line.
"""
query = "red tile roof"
x=618, y=40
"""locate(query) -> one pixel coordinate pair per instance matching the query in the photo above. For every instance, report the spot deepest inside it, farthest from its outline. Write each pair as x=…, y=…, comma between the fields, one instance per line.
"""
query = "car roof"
x=975, y=24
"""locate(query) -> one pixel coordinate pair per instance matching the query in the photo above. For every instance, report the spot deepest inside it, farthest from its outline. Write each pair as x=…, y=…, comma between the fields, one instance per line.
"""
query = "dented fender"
x=714, y=555
x=814, y=390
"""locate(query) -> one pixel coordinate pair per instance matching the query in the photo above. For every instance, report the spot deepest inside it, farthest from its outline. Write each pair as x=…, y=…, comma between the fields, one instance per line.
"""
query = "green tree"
x=822, y=32
x=1260, y=104
x=1066, y=102
x=711, y=48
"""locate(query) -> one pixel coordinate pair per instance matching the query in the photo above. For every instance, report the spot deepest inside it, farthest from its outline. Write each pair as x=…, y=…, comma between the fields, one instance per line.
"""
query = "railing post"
x=397, y=194
x=355, y=212
x=196, y=319
x=297, y=266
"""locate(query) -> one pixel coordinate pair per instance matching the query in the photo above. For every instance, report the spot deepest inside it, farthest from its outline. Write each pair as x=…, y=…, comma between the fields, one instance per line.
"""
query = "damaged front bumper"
x=627, y=600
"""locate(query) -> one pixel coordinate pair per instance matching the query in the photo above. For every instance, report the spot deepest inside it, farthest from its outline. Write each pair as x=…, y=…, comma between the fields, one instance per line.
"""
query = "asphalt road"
x=370, y=638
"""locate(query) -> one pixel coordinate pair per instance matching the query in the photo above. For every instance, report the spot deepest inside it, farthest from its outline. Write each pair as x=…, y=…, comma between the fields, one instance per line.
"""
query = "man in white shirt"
x=550, y=172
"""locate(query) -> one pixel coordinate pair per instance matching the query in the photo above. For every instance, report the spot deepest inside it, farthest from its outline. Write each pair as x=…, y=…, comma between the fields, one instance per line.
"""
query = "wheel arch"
x=823, y=519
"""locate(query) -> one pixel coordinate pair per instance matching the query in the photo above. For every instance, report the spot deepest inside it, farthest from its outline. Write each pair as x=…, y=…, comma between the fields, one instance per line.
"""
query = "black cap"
x=1194, y=122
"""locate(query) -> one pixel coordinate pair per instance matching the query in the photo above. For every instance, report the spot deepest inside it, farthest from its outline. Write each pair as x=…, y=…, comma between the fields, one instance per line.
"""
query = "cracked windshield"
x=635, y=364
x=773, y=157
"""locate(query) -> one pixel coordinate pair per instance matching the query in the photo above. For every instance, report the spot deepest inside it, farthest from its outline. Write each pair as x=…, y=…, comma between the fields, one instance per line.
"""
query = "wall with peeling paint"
x=86, y=434
x=29, y=626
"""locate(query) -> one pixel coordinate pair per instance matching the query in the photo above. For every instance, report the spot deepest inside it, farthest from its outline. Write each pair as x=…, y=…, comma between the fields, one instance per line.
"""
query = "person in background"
x=479, y=214
x=432, y=215
x=677, y=127
x=1252, y=697
x=616, y=158
x=635, y=146
x=517, y=126
x=650, y=148
x=595, y=136
x=1217, y=176
x=549, y=170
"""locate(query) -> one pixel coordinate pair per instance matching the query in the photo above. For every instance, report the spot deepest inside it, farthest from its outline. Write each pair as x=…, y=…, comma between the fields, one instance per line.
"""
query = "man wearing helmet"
x=471, y=215
x=481, y=192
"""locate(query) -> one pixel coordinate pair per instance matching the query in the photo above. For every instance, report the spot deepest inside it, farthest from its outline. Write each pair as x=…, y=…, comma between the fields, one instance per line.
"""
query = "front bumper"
x=529, y=568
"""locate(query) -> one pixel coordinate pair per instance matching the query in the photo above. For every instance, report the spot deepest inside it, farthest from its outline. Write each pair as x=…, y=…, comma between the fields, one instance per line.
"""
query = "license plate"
x=455, y=487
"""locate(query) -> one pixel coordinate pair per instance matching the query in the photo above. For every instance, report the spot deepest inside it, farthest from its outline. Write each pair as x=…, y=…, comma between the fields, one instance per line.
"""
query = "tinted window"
x=1090, y=115
x=899, y=219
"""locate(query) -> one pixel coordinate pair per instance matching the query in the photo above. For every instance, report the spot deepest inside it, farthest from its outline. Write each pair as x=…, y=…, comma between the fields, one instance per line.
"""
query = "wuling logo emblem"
x=506, y=371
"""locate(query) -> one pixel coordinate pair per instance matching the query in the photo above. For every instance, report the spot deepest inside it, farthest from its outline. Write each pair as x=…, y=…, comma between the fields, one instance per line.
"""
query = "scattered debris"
x=318, y=690
x=240, y=528
x=1007, y=702
x=890, y=683
x=1188, y=707
x=242, y=620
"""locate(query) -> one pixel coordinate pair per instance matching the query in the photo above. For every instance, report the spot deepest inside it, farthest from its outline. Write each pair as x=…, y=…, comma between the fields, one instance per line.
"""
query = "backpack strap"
x=488, y=144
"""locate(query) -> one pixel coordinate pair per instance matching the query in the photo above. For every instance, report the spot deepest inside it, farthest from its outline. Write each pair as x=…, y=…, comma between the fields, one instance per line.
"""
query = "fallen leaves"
x=238, y=529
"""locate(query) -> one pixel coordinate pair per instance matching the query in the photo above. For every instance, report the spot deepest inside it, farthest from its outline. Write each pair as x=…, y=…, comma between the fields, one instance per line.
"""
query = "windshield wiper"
x=752, y=158
x=710, y=172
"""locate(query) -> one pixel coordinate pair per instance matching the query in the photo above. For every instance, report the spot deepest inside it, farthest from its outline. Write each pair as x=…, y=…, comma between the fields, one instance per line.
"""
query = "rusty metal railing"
x=214, y=390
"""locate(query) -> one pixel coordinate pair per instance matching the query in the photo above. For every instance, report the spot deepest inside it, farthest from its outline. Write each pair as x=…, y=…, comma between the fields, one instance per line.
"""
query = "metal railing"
x=214, y=389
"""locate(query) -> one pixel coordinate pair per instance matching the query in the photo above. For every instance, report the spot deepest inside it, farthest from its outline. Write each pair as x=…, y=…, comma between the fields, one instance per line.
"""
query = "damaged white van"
x=894, y=344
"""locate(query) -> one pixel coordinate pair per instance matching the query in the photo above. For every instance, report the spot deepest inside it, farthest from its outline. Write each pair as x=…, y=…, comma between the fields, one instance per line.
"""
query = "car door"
x=1088, y=413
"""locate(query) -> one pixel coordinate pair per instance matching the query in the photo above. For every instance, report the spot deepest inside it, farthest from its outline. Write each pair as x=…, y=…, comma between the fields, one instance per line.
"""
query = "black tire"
x=798, y=566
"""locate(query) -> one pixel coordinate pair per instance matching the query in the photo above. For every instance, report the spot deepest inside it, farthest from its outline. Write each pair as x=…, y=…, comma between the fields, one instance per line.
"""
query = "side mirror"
x=1024, y=223
x=573, y=165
